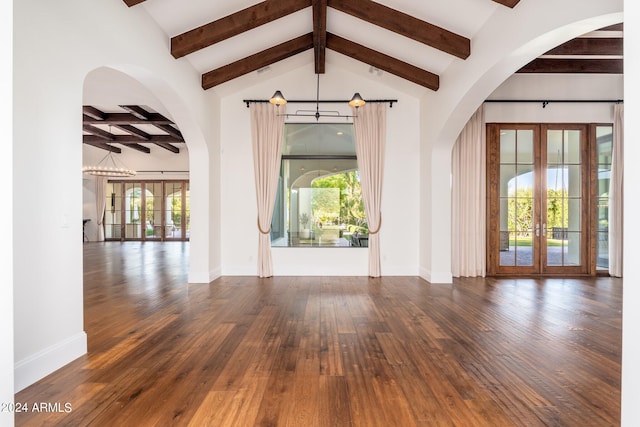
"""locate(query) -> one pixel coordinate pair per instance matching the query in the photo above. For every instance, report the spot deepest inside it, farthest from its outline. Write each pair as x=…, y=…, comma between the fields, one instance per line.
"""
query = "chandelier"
x=109, y=166
x=278, y=99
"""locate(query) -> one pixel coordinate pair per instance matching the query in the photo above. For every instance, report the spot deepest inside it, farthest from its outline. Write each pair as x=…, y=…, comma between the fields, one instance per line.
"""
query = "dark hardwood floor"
x=333, y=351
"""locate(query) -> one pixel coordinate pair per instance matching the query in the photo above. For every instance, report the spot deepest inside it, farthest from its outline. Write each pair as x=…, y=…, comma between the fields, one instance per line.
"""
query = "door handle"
x=537, y=230
x=544, y=229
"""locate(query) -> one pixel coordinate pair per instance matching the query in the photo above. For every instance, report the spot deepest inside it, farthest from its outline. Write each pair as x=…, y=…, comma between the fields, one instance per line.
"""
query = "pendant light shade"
x=357, y=101
x=278, y=99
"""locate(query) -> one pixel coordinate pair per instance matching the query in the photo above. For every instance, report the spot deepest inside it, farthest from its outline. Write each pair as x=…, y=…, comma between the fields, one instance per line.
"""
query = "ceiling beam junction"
x=319, y=34
x=93, y=112
x=102, y=134
x=102, y=145
x=137, y=115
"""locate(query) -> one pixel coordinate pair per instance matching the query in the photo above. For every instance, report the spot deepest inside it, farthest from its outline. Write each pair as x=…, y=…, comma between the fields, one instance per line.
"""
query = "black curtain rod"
x=321, y=101
x=545, y=102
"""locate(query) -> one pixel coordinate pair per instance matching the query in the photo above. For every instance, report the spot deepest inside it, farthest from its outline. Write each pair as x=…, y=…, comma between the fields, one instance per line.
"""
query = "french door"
x=538, y=199
x=147, y=210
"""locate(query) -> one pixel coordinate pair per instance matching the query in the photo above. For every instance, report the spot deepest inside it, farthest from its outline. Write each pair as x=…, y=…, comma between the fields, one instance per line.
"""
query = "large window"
x=319, y=201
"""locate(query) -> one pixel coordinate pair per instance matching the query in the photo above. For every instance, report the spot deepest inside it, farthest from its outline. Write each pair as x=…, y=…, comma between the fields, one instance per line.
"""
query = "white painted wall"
x=631, y=300
x=50, y=66
x=509, y=39
x=399, y=234
x=6, y=215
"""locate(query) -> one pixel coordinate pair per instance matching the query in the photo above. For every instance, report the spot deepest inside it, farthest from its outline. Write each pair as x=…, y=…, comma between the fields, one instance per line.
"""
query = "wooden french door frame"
x=581, y=230
x=499, y=239
x=164, y=234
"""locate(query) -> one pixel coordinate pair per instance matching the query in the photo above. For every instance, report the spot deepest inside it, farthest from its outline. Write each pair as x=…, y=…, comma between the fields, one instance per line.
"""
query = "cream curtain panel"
x=616, y=194
x=267, y=127
x=370, y=129
x=101, y=204
x=468, y=200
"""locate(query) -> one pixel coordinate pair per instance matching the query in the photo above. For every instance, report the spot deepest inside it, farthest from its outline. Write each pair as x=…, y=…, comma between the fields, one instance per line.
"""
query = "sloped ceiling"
x=413, y=40
x=416, y=41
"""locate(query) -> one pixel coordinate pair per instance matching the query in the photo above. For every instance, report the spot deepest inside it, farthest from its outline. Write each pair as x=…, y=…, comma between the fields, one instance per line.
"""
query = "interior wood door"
x=538, y=215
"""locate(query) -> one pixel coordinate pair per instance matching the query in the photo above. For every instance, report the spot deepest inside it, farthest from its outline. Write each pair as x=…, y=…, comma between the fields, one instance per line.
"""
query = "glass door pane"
x=187, y=210
x=153, y=210
x=173, y=210
x=113, y=211
x=517, y=197
x=563, y=224
x=133, y=210
x=604, y=143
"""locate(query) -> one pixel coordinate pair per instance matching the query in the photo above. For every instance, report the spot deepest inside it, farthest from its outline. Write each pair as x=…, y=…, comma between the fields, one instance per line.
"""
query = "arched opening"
x=449, y=110
x=147, y=217
x=126, y=85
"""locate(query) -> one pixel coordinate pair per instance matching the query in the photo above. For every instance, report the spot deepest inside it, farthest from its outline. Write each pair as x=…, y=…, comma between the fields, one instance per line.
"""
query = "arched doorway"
x=118, y=85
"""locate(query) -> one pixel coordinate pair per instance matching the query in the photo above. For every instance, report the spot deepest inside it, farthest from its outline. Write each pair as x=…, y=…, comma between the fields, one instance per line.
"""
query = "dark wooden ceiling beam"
x=135, y=136
x=578, y=66
x=93, y=112
x=134, y=131
x=130, y=139
x=102, y=134
x=614, y=27
x=406, y=25
x=589, y=46
x=319, y=34
x=137, y=111
x=126, y=118
x=171, y=131
x=508, y=3
x=383, y=62
x=139, y=147
x=141, y=113
x=257, y=61
x=168, y=146
x=132, y=2
x=234, y=24
x=100, y=144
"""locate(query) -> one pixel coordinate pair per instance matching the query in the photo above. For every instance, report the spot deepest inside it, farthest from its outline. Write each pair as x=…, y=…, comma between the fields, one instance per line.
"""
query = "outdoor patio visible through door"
x=538, y=210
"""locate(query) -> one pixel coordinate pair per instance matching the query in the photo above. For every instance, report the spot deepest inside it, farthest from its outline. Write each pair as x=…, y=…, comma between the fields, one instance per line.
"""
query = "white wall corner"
x=37, y=366
x=204, y=277
x=436, y=277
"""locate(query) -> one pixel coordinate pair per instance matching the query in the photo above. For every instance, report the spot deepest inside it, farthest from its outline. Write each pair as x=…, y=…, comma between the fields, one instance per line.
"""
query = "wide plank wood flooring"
x=333, y=351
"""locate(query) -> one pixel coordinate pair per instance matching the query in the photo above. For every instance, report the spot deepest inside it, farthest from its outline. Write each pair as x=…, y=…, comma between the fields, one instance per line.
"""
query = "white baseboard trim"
x=37, y=366
x=201, y=277
x=215, y=274
x=436, y=277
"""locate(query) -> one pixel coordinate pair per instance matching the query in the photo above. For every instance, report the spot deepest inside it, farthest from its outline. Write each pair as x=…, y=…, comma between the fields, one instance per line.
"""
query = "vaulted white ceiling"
x=177, y=16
